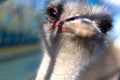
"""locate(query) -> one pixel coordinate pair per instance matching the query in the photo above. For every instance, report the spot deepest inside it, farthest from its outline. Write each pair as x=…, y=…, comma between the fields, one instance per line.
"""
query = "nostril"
x=86, y=21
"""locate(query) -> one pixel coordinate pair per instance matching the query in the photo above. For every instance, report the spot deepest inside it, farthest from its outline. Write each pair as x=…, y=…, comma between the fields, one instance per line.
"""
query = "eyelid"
x=50, y=8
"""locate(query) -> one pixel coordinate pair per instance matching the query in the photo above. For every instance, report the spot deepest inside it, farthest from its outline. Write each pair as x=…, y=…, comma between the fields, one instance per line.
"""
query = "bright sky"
x=38, y=3
x=117, y=2
x=117, y=22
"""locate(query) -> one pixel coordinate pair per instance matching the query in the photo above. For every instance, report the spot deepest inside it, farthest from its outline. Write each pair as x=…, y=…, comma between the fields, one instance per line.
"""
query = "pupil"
x=52, y=13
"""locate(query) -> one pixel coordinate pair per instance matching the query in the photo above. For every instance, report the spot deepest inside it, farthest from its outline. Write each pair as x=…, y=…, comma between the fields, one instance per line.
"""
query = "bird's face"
x=78, y=18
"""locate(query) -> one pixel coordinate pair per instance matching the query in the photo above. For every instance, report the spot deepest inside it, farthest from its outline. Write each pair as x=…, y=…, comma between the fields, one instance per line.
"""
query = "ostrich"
x=74, y=42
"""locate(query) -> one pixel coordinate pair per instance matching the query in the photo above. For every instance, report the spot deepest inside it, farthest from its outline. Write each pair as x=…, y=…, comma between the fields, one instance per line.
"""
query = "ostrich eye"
x=52, y=14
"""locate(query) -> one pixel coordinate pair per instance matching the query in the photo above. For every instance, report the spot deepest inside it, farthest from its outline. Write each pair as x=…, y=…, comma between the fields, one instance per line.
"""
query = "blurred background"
x=20, y=52
x=19, y=43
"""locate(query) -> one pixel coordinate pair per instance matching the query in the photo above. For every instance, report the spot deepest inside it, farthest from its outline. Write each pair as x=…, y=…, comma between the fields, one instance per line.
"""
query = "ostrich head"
x=69, y=16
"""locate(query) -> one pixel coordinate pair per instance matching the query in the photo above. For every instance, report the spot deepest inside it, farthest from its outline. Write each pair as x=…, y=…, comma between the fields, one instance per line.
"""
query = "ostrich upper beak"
x=83, y=28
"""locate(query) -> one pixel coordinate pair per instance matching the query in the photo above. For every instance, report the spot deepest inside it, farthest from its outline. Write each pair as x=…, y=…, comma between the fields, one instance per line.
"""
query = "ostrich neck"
x=67, y=57
x=71, y=55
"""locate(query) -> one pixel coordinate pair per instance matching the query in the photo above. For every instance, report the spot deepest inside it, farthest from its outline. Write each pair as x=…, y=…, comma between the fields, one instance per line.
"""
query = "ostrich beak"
x=83, y=28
